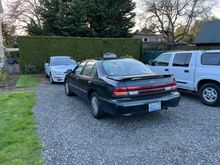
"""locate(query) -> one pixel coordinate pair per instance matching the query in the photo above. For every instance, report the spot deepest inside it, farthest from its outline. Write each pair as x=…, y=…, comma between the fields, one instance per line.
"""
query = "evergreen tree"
x=97, y=18
x=110, y=18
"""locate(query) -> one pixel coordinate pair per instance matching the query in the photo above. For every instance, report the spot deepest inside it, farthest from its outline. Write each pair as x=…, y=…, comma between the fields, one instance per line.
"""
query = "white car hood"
x=62, y=68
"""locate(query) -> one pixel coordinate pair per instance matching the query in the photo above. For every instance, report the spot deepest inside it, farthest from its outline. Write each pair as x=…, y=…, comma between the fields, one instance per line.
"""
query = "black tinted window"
x=182, y=59
x=211, y=59
x=162, y=60
x=88, y=69
x=125, y=67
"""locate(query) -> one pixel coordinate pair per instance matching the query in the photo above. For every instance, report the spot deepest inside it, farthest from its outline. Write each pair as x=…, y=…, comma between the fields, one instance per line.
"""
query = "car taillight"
x=174, y=87
x=120, y=91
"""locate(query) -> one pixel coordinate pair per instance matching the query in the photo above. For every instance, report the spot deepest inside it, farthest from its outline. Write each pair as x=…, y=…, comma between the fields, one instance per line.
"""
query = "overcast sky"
x=215, y=12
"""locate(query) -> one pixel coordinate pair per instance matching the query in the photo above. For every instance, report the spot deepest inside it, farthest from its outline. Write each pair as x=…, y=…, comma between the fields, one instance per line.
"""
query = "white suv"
x=197, y=71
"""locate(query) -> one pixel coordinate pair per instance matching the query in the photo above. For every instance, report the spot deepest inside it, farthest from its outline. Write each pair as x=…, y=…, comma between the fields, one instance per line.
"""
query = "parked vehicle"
x=197, y=71
x=56, y=67
x=121, y=86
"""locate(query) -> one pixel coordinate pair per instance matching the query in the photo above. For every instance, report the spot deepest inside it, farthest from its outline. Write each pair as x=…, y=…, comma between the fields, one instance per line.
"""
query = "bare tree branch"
x=167, y=15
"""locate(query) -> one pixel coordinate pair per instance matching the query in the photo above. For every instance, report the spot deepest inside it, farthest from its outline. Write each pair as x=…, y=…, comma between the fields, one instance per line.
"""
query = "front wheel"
x=67, y=89
x=96, y=106
x=51, y=79
x=210, y=94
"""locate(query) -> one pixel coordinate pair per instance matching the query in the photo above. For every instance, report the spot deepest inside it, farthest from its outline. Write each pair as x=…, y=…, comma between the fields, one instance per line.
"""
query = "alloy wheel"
x=210, y=94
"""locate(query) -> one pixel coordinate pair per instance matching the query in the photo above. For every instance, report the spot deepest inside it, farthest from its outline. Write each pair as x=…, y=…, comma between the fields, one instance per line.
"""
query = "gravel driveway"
x=189, y=134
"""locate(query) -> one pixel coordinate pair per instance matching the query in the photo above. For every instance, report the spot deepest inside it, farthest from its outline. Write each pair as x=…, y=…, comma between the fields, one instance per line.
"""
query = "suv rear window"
x=125, y=67
x=211, y=59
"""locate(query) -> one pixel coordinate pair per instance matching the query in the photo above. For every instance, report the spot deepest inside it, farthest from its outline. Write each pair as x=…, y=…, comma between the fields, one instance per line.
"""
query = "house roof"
x=209, y=33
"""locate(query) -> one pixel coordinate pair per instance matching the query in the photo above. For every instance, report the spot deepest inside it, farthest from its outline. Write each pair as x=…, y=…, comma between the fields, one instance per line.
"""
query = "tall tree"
x=168, y=15
x=110, y=18
x=98, y=18
x=23, y=13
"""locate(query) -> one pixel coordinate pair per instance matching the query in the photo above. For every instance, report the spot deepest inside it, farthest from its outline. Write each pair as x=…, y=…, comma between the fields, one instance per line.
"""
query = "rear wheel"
x=67, y=89
x=210, y=94
x=96, y=106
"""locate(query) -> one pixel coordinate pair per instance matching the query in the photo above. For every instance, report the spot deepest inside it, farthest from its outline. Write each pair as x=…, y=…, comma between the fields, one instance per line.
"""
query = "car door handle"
x=166, y=70
x=186, y=71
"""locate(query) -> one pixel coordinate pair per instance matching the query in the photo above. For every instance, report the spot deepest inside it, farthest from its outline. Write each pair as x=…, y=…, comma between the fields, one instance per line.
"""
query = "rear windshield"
x=125, y=67
x=62, y=61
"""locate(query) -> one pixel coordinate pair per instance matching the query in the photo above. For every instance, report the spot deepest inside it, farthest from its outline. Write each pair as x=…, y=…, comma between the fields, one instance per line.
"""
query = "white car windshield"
x=125, y=67
x=62, y=61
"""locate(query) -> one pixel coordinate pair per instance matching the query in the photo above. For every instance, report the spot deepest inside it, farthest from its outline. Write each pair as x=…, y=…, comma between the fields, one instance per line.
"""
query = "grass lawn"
x=19, y=141
x=27, y=81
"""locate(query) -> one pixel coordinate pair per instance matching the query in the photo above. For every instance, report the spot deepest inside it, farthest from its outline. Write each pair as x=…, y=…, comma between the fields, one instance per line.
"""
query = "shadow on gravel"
x=155, y=118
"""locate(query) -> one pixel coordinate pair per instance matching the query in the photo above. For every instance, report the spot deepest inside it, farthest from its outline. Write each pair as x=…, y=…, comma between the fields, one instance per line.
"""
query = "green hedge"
x=35, y=50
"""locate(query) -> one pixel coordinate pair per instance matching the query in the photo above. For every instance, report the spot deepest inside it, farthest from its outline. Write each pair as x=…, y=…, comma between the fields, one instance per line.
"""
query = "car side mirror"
x=151, y=62
x=69, y=71
x=46, y=64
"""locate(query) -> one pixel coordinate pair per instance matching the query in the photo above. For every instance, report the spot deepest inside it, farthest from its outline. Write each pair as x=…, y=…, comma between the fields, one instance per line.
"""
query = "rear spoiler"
x=138, y=77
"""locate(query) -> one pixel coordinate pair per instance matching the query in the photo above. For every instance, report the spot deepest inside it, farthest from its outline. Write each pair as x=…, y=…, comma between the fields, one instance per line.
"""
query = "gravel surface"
x=189, y=134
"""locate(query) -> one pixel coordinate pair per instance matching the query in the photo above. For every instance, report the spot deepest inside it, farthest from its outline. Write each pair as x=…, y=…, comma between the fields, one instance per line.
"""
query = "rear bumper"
x=130, y=106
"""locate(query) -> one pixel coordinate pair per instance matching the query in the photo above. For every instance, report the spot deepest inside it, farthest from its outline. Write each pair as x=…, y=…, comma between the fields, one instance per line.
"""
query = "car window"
x=182, y=59
x=62, y=61
x=79, y=68
x=211, y=58
x=94, y=71
x=88, y=68
x=125, y=67
x=162, y=60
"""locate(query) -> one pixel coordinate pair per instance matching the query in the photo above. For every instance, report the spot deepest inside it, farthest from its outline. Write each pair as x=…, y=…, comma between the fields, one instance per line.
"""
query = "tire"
x=68, y=91
x=51, y=79
x=96, y=109
x=210, y=94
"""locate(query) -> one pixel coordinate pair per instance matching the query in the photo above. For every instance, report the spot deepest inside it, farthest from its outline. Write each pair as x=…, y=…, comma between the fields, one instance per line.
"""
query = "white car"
x=56, y=67
x=197, y=71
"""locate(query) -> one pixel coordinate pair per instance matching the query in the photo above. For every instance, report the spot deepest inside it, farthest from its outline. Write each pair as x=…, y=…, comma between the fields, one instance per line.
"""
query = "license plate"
x=156, y=106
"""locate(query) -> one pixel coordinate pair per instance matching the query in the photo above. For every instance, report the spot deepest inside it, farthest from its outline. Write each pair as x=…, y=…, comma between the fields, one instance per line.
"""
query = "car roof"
x=187, y=51
x=57, y=57
x=193, y=51
x=212, y=51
